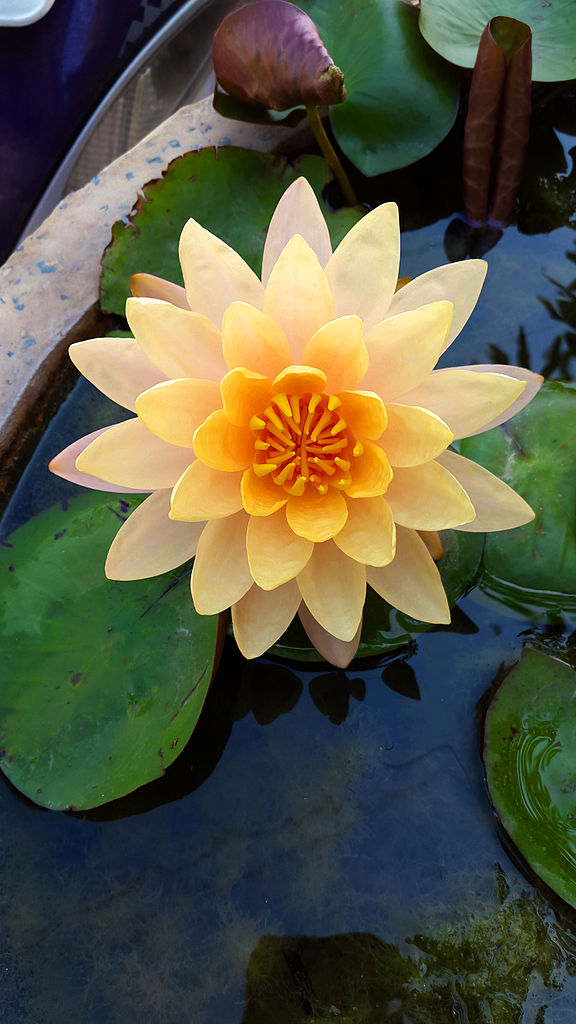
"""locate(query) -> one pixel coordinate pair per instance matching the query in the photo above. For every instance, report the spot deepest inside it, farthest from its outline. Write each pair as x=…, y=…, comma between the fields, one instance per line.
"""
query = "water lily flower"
x=293, y=431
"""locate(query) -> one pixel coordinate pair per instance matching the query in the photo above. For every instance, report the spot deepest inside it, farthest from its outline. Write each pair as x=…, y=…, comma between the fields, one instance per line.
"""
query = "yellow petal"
x=364, y=412
x=260, y=495
x=204, y=493
x=317, y=516
x=369, y=535
x=413, y=435
x=411, y=582
x=533, y=382
x=465, y=399
x=178, y=342
x=371, y=473
x=149, y=543
x=404, y=349
x=275, y=553
x=174, y=409
x=297, y=380
x=261, y=617
x=244, y=395
x=221, y=445
x=148, y=286
x=297, y=295
x=221, y=575
x=337, y=652
x=333, y=587
x=214, y=274
x=252, y=339
x=497, y=506
x=460, y=283
x=117, y=367
x=363, y=271
x=297, y=213
x=130, y=455
x=428, y=497
x=64, y=465
x=338, y=349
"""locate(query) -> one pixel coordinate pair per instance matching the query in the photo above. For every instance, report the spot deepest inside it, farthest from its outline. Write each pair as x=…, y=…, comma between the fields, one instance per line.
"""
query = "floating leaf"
x=102, y=682
x=454, y=29
x=233, y=193
x=535, y=453
x=530, y=758
x=402, y=100
x=385, y=628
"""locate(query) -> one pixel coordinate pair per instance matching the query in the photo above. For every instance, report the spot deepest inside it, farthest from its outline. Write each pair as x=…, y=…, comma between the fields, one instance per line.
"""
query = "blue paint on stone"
x=96, y=180
x=174, y=143
x=154, y=160
x=64, y=298
x=28, y=342
x=46, y=268
x=18, y=304
x=129, y=175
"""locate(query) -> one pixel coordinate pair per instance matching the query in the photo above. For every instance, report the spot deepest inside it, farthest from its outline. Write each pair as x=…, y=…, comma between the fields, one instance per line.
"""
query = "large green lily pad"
x=530, y=757
x=402, y=99
x=232, y=192
x=454, y=29
x=102, y=682
x=535, y=566
x=385, y=628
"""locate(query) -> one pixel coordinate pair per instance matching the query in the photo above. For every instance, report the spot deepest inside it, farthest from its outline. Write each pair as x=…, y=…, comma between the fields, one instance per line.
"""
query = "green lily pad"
x=402, y=99
x=453, y=29
x=530, y=758
x=102, y=682
x=383, y=627
x=232, y=192
x=535, y=566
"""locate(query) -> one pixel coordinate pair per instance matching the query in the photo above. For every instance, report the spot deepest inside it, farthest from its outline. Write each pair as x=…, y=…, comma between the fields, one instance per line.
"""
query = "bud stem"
x=330, y=155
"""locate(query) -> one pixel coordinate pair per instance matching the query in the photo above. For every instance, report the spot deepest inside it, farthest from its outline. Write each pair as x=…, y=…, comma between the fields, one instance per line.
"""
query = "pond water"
x=324, y=849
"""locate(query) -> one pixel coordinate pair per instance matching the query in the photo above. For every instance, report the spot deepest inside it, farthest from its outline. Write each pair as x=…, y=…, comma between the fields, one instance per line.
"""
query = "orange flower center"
x=302, y=440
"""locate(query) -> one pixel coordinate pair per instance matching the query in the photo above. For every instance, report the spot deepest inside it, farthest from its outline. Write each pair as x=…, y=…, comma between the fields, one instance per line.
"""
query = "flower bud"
x=270, y=54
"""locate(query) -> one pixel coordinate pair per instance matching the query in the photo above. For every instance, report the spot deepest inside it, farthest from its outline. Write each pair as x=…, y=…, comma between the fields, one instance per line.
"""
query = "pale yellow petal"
x=174, y=409
x=297, y=213
x=214, y=274
x=428, y=497
x=252, y=339
x=370, y=472
x=221, y=574
x=338, y=350
x=363, y=271
x=245, y=394
x=404, y=349
x=148, y=286
x=64, y=465
x=497, y=506
x=180, y=343
x=369, y=534
x=262, y=616
x=333, y=587
x=533, y=381
x=117, y=367
x=465, y=399
x=337, y=652
x=222, y=445
x=260, y=495
x=317, y=516
x=128, y=454
x=413, y=435
x=364, y=413
x=204, y=493
x=411, y=582
x=297, y=295
x=460, y=283
x=275, y=553
x=149, y=543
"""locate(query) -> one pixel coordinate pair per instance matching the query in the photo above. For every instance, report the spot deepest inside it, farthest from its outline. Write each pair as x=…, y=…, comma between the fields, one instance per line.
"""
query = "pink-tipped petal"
x=221, y=574
x=297, y=213
x=497, y=506
x=411, y=582
x=64, y=465
x=333, y=587
x=214, y=274
x=148, y=286
x=336, y=652
x=460, y=283
x=534, y=382
x=261, y=616
x=363, y=271
x=297, y=295
x=466, y=401
x=117, y=367
x=149, y=543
